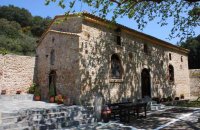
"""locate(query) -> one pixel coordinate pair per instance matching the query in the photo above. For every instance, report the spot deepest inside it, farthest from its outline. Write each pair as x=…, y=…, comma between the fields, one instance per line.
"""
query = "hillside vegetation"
x=19, y=30
x=193, y=44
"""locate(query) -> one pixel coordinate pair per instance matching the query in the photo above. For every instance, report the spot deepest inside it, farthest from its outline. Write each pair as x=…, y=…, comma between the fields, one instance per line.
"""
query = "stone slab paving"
x=170, y=118
x=16, y=105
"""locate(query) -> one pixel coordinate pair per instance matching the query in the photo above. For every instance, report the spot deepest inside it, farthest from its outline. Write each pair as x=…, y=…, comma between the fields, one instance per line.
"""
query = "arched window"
x=181, y=58
x=171, y=73
x=170, y=56
x=116, y=67
x=52, y=57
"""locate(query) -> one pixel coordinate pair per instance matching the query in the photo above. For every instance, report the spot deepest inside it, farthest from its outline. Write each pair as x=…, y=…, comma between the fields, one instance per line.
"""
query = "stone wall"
x=16, y=73
x=195, y=83
x=65, y=64
x=98, y=44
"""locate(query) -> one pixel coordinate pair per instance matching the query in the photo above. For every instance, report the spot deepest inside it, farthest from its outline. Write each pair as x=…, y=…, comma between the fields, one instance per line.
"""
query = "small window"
x=53, y=39
x=170, y=56
x=118, y=37
x=130, y=55
x=181, y=58
x=116, y=67
x=145, y=48
x=171, y=73
x=52, y=57
x=119, y=40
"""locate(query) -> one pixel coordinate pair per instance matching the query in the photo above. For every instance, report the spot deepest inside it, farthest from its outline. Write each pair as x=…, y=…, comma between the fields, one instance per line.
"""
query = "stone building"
x=82, y=55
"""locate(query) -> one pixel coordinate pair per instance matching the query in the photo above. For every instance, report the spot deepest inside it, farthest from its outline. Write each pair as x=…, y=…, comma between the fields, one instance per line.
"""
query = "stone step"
x=11, y=119
x=9, y=114
x=24, y=128
x=11, y=126
x=17, y=97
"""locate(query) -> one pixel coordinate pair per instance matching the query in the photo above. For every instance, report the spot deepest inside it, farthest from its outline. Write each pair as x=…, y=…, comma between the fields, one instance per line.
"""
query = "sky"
x=38, y=8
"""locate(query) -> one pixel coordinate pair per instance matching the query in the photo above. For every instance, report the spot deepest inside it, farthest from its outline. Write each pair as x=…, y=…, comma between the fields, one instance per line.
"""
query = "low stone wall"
x=16, y=73
x=194, y=83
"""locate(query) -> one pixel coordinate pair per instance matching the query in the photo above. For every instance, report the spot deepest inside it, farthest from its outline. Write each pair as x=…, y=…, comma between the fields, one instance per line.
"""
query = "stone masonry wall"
x=65, y=65
x=98, y=44
x=195, y=83
x=64, y=40
x=16, y=73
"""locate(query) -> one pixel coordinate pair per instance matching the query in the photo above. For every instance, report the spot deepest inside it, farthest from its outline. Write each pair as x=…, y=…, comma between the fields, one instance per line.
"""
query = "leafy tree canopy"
x=32, y=25
x=19, y=30
x=185, y=13
x=193, y=44
x=13, y=13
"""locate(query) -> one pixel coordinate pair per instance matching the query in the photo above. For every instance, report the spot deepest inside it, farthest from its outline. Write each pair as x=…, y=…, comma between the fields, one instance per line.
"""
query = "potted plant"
x=59, y=99
x=51, y=93
x=37, y=96
x=182, y=96
x=34, y=89
x=169, y=98
x=176, y=98
x=18, y=92
x=3, y=92
x=157, y=99
x=163, y=99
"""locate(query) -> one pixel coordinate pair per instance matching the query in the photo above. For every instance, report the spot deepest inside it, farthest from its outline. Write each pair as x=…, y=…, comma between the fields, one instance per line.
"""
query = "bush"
x=169, y=98
x=32, y=88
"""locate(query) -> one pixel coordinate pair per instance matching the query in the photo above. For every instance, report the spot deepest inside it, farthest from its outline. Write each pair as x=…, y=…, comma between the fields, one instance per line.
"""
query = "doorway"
x=146, y=83
x=52, y=81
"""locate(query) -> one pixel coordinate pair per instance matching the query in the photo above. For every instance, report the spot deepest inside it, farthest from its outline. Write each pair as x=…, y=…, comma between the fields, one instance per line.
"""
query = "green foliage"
x=190, y=104
x=52, y=90
x=193, y=44
x=37, y=92
x=10, y=29
x=19, y=30
x=13, y=13
x=169, y=98
x=3, y=51
x=32, y=88
x=39, y=25
x=184, y=13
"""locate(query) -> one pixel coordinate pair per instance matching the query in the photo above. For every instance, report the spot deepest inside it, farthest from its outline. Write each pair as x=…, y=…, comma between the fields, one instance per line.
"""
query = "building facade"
x=82, y=55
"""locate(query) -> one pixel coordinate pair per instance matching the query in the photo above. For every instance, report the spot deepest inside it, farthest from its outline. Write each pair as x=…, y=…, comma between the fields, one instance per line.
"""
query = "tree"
x=19, y=15
x=19, y=30
x=193, y=44
x=39, y=25
x=13, y=40
x=9, y=28
x=185, y=13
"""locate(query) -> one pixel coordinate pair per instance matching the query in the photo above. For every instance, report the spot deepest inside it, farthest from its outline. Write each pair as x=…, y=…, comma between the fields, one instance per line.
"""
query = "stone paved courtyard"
x=170, y=118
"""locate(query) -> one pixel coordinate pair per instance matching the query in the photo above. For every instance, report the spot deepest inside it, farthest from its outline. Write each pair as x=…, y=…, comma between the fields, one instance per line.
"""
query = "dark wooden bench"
x=115, y=110
x=127, y=109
